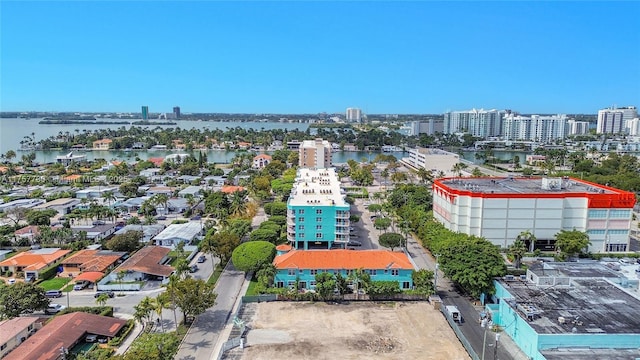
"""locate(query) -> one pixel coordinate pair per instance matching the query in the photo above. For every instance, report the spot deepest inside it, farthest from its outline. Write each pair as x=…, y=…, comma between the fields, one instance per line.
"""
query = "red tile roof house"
x=33, y=261
x=303, y=265
x=147, y=263
x=260, y=161
x=29, y=232
x=90, y=261
x=15, y=331
x=65, y=331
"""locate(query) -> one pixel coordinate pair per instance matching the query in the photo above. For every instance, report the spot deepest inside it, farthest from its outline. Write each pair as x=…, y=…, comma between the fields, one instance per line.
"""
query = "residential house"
x=157, y=161
x=28, y=232
x=63, y=205
x=302, y=266
x=151, y=172
x=230, y=189
x=260, y=161
x=70, y=158
x=95, y=192
x=96, y=232
x=158, y=147
x=154, y=190
x=243, y=145
x=103, y=144
x=147, y=263
x=64, y=332
x=21, y=203
x=194, y=191
x=14, y=332
x=148, y=231
x=33, y=261
x=188, y=179
x=90, y=261
x=138, y=145
x=177, y=233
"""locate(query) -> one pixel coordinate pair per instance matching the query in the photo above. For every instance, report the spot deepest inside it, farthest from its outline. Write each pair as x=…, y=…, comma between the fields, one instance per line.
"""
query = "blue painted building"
x=317, y=213
x=569, y=311
x=303, y=266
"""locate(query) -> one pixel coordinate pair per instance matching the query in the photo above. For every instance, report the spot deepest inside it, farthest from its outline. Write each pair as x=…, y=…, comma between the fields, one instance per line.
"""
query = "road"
x=206, y=335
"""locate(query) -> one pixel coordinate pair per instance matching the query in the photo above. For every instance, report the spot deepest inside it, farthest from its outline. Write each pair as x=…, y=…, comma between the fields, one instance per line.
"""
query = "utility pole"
x=495, y=348
x=435, y=275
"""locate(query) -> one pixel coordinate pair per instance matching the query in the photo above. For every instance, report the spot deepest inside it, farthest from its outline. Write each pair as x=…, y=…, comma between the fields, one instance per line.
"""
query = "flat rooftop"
x=573, y=270
x=518, y=185
x=317, y=187
x=591, y=354
x=590, y=306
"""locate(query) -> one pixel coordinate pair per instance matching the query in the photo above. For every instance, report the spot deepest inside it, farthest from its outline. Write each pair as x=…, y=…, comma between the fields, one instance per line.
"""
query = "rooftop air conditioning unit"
x=509, y=278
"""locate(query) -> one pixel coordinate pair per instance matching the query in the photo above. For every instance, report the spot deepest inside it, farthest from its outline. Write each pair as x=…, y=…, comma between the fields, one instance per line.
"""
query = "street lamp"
x=435, y=275
x=483, y=324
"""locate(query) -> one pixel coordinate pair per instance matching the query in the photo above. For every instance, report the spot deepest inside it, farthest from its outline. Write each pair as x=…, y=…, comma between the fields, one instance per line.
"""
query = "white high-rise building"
x=577, y=127
x=614, y=120
x=633, y=127
x=477, y=122
x=534, y=128
x=429, y=127
x=353, y=115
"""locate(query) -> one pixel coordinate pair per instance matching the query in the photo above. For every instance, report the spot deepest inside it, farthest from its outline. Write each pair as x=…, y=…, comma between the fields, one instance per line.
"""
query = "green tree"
x=382, y=223
x=20, y=298
x=391, y=240
x=360, y=280
x=572, y=242
x=152, y=346
x=265, y=234
x=129, y=189
x=239, y=227
x=129, y=242
x=120, y=276
x=143, y=312
x=221, y=244
x=517, y=250
x=423, y=281
x=101, y=300
x=251, y=256
x=194, y=296
x=325, y=285
x=40, y=217
x=266, y=275
x=383, y=288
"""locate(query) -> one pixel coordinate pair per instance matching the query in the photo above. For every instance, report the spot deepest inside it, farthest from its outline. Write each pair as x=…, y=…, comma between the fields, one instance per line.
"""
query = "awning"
x=91, y=276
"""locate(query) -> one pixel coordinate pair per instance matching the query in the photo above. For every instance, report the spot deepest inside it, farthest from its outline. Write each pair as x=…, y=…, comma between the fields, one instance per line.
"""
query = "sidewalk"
x=137, y=329
x=228, y=327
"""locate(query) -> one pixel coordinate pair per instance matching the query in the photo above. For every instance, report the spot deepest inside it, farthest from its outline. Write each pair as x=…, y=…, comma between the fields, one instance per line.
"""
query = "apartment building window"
x=395, y=272
x=318, y=235
x=300, y=227
x=318, y=219
x=597, y=213
x=291, y=284
x=336, y=272
x=618, y=232
x=300, y=235
x=620, y=214
x=291, y=272
x=595, y=232
x=406, y=285
x=300, y=219
x=318, y=227
x=373, y=272
x=318, y=211
x=617, y=247
x=301, y=211
x=280, y=284
x=312, y=283
x=313, y=272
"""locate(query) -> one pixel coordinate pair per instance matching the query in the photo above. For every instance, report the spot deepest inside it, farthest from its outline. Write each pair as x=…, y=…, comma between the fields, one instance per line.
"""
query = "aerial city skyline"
x=536, y=57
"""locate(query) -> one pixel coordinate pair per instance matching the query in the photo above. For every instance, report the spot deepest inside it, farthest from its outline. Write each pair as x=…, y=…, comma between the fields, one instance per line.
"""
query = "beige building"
x=103, y=144
x=315, y=154
x=14, y=332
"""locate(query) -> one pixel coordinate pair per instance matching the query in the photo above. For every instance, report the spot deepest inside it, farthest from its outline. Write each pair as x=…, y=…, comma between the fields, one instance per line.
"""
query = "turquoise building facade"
x=317, y=213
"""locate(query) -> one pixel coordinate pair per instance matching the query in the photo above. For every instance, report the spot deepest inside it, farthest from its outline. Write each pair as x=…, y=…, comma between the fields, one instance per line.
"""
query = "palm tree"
x=458, y=168
x=238, y=203
x=425, y=175
x=517, y=250
x=160, y=303
x=109, y=196
x=360, y=280
x=528, y=239
x=120, y=276
x=172, y=289
x=101, y=300
x=143, y=311
x=162, y=199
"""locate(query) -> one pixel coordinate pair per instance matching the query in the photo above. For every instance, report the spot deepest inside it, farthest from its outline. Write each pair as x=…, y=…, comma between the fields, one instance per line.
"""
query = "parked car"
x=91, y=338
x=99, y=222
x=161, y=217
x=54, y=309
x=53, y=293
x=197, y=217
x=193, y=268
x=80, y=285
x=11, y=281
x=108, y=292
x=624, y=261
x=354, y=243
x=201, y=259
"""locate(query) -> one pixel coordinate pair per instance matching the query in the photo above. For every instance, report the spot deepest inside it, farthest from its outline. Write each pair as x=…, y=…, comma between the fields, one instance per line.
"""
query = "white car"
x=54, y=309
x=11, y=281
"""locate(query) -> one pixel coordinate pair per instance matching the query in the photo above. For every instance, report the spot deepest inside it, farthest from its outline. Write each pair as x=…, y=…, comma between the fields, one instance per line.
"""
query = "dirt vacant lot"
x=283, y=330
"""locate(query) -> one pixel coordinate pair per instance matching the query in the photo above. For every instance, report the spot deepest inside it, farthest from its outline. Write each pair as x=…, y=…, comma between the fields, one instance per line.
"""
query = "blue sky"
x=309, y=57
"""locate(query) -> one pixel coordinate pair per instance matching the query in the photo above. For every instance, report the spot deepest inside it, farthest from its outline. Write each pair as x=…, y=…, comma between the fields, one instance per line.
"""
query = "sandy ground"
x=283, y=330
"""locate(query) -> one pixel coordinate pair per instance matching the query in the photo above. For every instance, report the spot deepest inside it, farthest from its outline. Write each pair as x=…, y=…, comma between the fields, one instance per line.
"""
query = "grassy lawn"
x=55, y=283
x=216, y=274
x=251, y=290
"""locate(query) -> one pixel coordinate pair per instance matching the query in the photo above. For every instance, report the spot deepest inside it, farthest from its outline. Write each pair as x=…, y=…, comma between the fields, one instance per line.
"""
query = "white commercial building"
x=176, y=233
x=633, y=127
x=429, y=127
x=353, y=115
x=477, y=122
x=434, y=160
x=315, y=154
x=499, y=209
x=534, y=128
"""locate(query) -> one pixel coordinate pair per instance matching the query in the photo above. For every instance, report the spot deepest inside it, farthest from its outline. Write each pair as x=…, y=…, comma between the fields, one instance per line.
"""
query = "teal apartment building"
x=301, y=267
x=567, y=311
x=317, y=213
